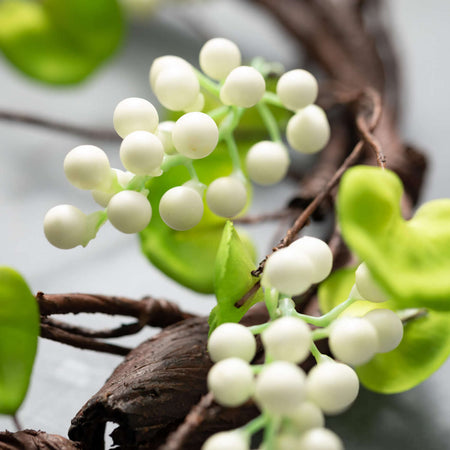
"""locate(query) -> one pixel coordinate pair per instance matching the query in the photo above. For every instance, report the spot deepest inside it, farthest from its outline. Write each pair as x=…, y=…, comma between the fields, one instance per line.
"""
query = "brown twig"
x=267, y=217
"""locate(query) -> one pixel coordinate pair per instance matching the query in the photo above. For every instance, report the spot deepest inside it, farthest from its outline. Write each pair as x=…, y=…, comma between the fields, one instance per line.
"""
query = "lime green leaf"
x=232, y=279
x=424, y=348
x=19, y=330
x=187, y=256
x=59, y=42
x=409, y=259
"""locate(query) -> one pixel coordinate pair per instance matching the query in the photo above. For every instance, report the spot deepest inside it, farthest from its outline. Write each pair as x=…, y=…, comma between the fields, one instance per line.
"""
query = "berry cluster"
x=150, y=147
x=293, y=404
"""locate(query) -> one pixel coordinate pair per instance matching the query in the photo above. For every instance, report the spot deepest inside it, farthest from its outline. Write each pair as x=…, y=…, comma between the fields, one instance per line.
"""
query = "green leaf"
x=232, y=279
x=59, y=42
x=409, y=259
x=19, y=330
x=187, y=256
x=424, y=348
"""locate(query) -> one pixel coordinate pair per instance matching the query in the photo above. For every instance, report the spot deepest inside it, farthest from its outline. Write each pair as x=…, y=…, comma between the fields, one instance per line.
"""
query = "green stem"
x=138, y=183
x=173, y=161
x=286, y=307
x=269, y=122
x=321, y=333
x=254, y=425
x=257, y=329
x=316, y=353
x=208, y=84
x=270, y=433
x=191, y=169
x=218, y=112
x=271, y=98
x=233, y=152
x=271, y=299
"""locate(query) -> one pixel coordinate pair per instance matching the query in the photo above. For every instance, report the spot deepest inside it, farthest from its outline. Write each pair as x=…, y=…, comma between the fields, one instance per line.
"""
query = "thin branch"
x=16, y=422
x=267, y=217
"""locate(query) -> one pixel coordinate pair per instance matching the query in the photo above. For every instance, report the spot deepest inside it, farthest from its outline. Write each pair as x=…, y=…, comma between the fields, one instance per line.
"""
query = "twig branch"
x=268, y=217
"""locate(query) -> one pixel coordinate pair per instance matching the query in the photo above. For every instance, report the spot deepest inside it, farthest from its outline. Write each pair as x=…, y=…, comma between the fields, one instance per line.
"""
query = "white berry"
x=133, y=114
x=65, y=226
x=226, y=440
x=367, y=286
x=198, y=104
x=267, y=162
x=231, y=382
x=389, y=328
x=87, y=167
x=280, y=387
x=319, y=253
x=164, y=134
x=103, y=197
x=306, y=416
x=332, y=386
x=218, y=57
x=288, y=339
x=226, y=196
x=308, y=131
x=231, y=340
x=195, y=135
x=288, y=272
x=141, y=153
x=297, y=88
x=320, y=439
x=181, y=208
x=166, y=62
x=353, y=340
x=129, y=211
x=244, y=86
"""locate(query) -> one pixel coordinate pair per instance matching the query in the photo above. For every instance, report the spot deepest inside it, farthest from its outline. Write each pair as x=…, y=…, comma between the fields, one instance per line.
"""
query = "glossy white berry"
x=319, y=253
x=288, y=339
x=218, y=57
x=288, y=272
x=198, y=104
x=195, y=135
x=306, y=416
x=166, y=62
x=103, y=197
x=280, y=387
x=177, y=88
x=164, y=134
x=297, y=88
x=367, y=286
x=141, y=153
x=65, y=226
x=286, y=440
x=133, y=114
x=353, y=340
x=332, y=386
x=320, y=439
x=231, y=382
x=231, y=340
x=308, y=131
x=267, y=162
x=87, y=167
x=129, y=211
x=389, y=328
x=226, y=196
x=244, y=86
x=226, y=440
x=181, y=208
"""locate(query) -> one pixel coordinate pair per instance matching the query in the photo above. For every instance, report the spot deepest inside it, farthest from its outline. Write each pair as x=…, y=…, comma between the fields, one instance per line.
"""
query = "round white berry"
x=306, y=416
x=65, y=226
x=129, y=211
x=319, y=253
x=198, y=105
x=286, y=440
x=231, y=382
x=181, y=208
x=288, y=339
x=226, y=196
x=297, y=88
x=231, y=340
x=195, y=135
x=367, y=286
x=133, y=114
x=244, y=86
x=177, y=88
x=320, y=439
x=332, y=386
x=267, y=162
x=308, y=131
x=280, y=387
x=166, y=62
x=164, y=134
x=389, y=328
x=87, y=167
x=353, y=340
x=141, y=153
x=103, y=197
x=218, y=57
x=226, y=440
x=288, y=272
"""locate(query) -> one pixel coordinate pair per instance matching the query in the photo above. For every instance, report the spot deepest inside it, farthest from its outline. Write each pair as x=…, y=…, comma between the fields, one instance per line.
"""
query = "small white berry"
x=133, y=114
x=226, y=196
x=129, y=211
x=306, y=416
x=218, y=57
x=166, y=62
x=320, y=439
x=198, y=105
x=231, y=340
x=367, y=286
x=226, y=440
x=297, y=88
x=389, y=328
x=103, y=197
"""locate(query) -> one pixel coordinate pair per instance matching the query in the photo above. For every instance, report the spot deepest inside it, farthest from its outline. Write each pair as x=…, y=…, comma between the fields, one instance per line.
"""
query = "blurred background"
x=32, y=181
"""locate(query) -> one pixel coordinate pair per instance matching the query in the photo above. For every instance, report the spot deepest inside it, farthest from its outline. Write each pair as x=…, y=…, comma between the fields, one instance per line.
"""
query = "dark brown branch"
x=268, y=217
x=35, y=440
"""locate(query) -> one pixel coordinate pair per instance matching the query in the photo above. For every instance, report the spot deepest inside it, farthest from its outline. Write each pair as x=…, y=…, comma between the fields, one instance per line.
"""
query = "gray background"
x=32, y=181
